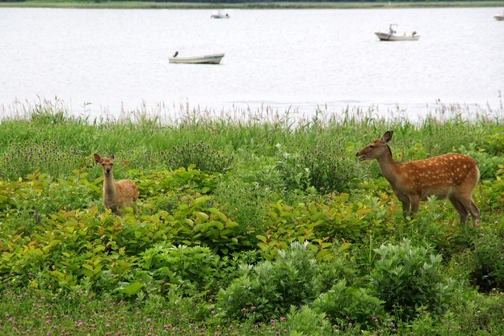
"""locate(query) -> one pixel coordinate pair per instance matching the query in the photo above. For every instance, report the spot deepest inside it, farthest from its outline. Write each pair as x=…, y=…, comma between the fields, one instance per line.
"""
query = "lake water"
x=108, y=61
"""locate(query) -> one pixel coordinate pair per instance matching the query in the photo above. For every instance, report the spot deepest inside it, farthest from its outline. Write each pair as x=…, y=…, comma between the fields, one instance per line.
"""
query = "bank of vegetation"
x=249, y=222
x=243, y=4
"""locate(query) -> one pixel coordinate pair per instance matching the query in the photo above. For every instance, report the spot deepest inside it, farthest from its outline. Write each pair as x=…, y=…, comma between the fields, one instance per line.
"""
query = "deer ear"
x=97, y=158
x=112, y=155
x=387, y=136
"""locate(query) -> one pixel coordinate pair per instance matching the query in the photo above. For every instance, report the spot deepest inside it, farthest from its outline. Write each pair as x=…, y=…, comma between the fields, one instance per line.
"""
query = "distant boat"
x=219, y=15
x=393, y=36
x=206, y=59
x=499, y=17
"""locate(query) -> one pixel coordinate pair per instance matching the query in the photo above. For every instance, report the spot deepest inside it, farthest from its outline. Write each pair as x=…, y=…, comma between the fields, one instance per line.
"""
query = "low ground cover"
x=245, y=227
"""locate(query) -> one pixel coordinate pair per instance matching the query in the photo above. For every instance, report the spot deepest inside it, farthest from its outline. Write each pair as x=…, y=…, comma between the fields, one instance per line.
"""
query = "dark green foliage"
x=350, y=305
x=268, y=289
x=487, y=259
x=408, y=277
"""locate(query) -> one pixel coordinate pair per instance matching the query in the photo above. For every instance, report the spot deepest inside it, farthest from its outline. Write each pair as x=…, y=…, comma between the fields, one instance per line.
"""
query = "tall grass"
x=443, y=128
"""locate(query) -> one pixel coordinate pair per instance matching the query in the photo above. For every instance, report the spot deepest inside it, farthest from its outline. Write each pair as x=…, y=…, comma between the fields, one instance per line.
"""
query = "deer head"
x=107, y=164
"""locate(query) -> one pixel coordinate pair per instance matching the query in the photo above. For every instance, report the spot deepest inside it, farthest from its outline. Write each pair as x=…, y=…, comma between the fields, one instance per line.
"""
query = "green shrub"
x=190, y=265
x=487, y=259
x=352, y=305
x=268, y=289
x=307, y=321
x=408, y=277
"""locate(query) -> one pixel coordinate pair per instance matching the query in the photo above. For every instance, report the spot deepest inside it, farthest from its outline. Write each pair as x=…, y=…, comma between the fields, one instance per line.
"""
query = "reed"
x=263, y=131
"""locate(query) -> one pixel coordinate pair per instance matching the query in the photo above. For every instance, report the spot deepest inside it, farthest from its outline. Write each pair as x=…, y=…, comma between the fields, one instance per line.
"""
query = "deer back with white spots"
x=116, y=195
x=452, y=176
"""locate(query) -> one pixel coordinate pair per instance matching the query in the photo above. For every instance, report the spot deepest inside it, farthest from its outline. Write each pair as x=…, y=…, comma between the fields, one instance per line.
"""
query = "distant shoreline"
x=256, y=5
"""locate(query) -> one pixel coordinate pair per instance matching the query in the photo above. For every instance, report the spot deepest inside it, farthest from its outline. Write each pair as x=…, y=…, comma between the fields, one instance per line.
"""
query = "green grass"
x=250, y=5
x=255, y=182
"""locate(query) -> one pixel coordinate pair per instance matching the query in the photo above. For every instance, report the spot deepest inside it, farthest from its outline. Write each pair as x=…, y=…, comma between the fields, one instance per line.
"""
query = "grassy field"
x=249, y=222
x=254, y=5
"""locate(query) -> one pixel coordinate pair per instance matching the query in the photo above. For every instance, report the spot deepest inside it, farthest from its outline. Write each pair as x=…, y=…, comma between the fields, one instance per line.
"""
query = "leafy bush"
x=307, y=321
x=159, y=184
x=316, y=220
x=268, y=289
x=487, y=260
x=408, y=277
x=191, y=265
x=353, y=305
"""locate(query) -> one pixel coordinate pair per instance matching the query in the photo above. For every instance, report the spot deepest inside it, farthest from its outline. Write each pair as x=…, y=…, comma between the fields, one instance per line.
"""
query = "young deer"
x=450, y=175
x=116, y=195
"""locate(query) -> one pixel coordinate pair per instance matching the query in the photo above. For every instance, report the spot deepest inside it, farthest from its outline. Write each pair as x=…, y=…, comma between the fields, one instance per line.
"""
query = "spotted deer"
x=452, y=176
x=116, y=195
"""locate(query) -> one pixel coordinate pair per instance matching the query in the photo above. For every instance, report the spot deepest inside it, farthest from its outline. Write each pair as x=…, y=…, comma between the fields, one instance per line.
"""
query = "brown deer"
x=450, y=175
x=116, y=195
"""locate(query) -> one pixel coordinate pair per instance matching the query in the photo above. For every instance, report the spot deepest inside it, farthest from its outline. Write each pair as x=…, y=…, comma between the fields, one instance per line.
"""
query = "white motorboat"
x=219, y=15
x=205, y=59
x=393, y=36
x=499, y=17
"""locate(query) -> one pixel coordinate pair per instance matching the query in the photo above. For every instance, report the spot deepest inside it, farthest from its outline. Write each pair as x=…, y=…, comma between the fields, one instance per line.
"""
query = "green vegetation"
x=243, y=4
x=249, y=223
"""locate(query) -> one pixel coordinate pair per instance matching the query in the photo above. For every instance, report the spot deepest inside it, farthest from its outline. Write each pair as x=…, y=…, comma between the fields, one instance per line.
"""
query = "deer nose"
x=357, y=154
x=108, y=170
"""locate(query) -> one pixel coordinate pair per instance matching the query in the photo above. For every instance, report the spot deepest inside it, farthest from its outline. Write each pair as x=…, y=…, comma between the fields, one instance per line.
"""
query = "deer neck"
x=388, y=167
x=109, y=189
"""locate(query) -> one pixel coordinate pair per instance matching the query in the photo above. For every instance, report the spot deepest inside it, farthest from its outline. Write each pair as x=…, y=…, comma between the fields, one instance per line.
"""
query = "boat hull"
x=206, y=59
x=499, y=17
x=217, y=16
x=395, y=37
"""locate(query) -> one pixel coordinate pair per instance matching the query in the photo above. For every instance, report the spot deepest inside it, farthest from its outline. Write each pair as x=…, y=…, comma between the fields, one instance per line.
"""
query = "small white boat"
x=499, y=17
x=393, y=36
x=205, y=59
x=219, y=15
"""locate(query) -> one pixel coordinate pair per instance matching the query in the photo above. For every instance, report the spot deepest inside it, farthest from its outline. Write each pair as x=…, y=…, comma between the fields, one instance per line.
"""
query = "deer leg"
x=461, y=209
x=415, y=204
x=466, y=200
x=406, y=207
x=475, y=214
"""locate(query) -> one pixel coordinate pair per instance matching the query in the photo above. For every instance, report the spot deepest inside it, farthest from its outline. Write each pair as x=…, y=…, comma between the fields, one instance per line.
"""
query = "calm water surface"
x=118, y=59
